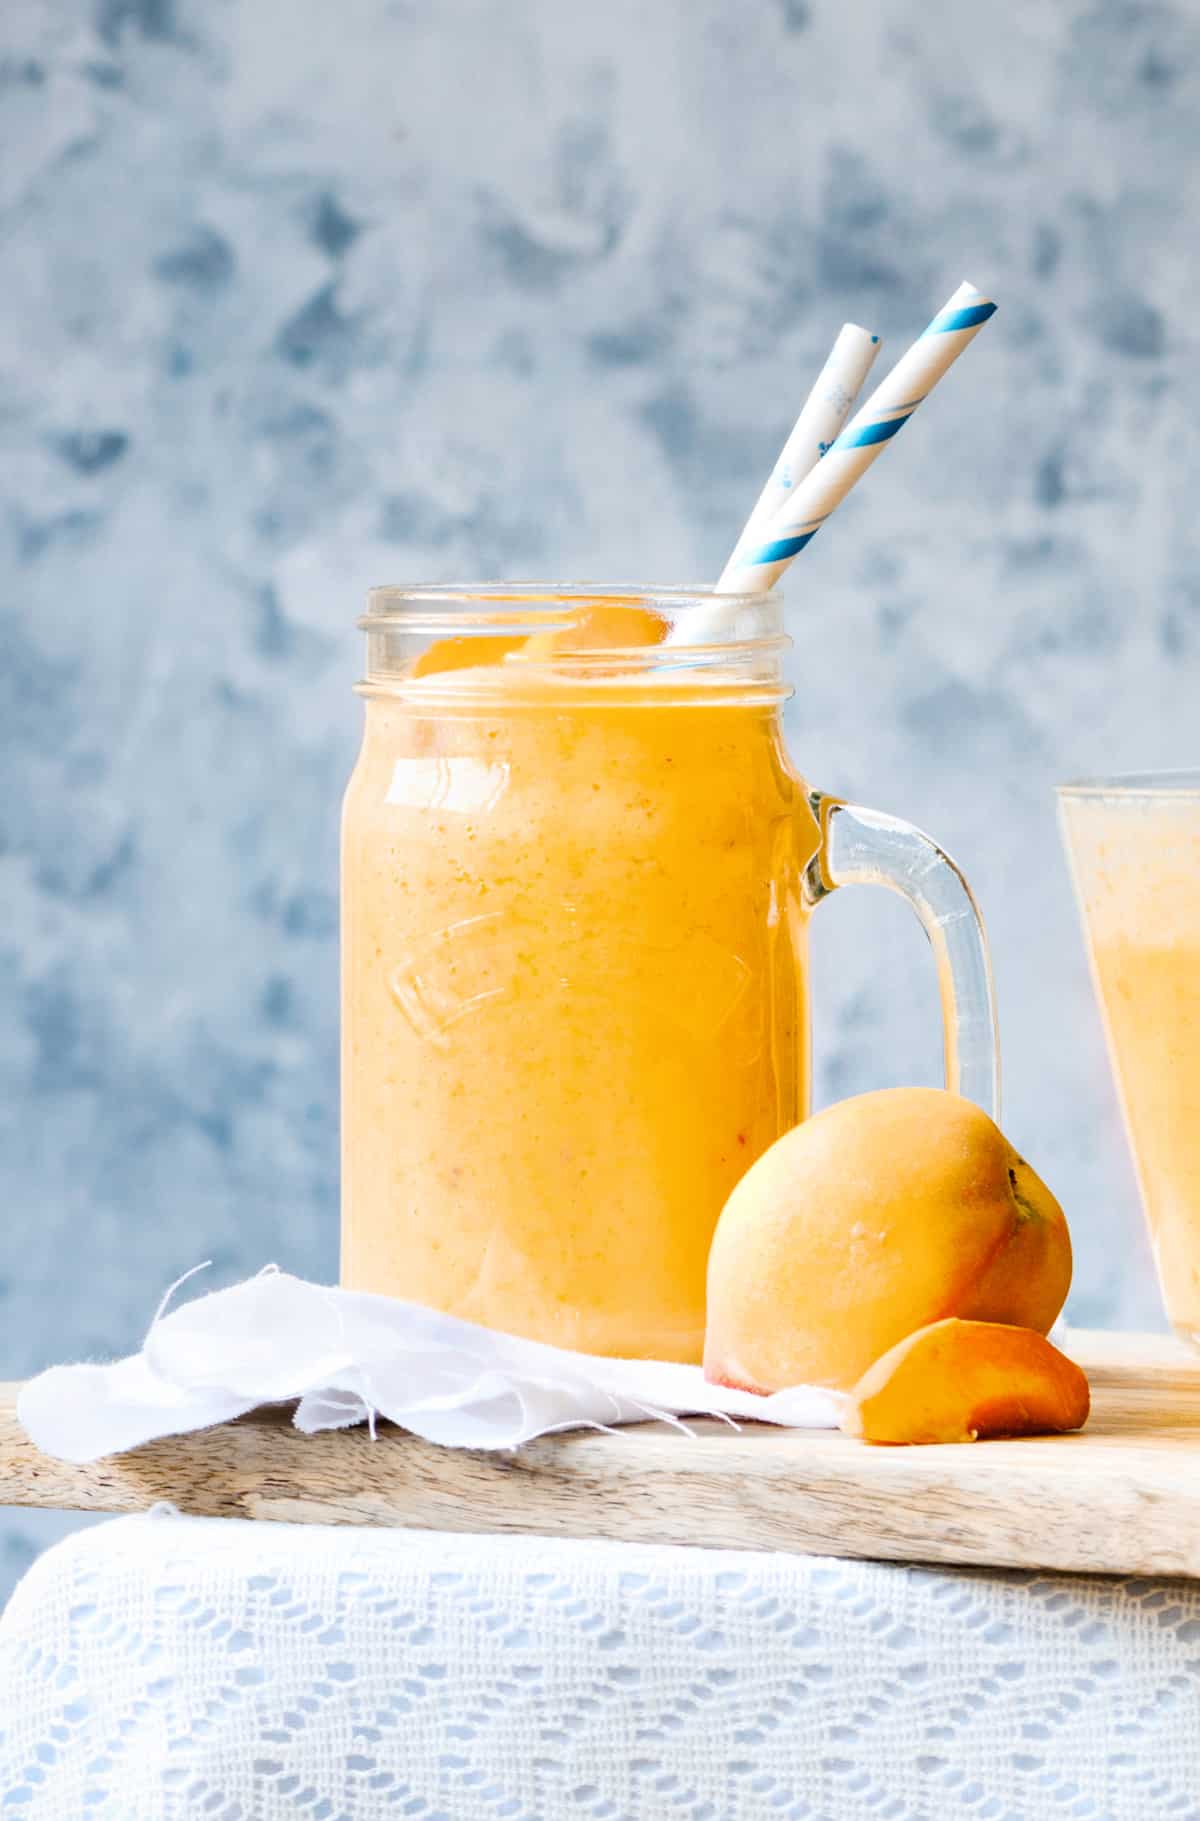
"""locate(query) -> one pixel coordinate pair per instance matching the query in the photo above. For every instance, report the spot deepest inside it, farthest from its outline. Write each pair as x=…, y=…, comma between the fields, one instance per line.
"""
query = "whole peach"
x=874, y=1218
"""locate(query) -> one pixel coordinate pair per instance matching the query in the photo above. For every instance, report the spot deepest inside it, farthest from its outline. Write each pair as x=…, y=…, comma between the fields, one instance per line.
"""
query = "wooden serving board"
x=1121, y=1497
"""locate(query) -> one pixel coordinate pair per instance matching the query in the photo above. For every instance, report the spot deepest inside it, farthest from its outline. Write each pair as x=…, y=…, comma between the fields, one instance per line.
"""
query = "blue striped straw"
x=890, y=406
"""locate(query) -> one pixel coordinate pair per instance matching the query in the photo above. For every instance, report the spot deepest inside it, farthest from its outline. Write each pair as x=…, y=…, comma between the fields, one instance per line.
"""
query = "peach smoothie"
x=573, y=979
x=1136, y=858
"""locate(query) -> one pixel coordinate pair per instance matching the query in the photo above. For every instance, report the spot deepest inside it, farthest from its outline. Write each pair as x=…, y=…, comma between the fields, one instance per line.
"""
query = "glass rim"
x=728, y=643
x=419, y=606
x=521, y=592
x=1181, y=782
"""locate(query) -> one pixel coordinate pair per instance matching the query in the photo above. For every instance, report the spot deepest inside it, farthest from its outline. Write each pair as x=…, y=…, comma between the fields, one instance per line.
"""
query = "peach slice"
x=601, y=626
x=955, y=1381
x=462, y=654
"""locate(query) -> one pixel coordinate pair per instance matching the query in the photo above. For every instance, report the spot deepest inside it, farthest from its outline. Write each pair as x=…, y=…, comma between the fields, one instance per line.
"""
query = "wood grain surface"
x=1121, y=1497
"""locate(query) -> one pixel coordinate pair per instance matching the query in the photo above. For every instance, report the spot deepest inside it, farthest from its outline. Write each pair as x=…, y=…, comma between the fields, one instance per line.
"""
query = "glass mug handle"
x=863, y=847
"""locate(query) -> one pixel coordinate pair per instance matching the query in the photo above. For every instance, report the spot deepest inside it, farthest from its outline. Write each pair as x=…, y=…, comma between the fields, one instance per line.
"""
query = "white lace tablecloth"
x=162, y=1667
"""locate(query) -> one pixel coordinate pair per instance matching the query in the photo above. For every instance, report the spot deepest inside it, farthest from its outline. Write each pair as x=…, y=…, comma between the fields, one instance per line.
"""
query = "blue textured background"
x=299, y=296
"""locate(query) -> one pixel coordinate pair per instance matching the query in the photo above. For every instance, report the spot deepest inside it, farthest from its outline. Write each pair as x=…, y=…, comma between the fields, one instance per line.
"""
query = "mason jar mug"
x=578, y=868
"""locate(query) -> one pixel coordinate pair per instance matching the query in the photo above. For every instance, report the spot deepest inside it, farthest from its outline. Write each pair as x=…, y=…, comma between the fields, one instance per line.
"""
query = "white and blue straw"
x=759, y=562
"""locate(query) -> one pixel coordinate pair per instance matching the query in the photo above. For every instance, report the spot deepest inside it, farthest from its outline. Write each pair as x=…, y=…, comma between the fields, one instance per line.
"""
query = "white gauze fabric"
x=348, y=1357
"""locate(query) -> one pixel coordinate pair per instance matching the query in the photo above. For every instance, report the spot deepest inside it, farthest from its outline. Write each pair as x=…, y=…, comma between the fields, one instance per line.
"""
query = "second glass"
x=577, y=872
x=1134, y=847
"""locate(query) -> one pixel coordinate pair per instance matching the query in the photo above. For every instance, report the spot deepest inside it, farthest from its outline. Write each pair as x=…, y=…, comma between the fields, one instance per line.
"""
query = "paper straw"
x=890, y=406
x=825, y=411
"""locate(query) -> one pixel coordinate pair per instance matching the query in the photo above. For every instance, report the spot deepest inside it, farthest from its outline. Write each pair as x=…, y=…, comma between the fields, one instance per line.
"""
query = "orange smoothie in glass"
x=573, y=988
x=572, y=974
x=1135, y=850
